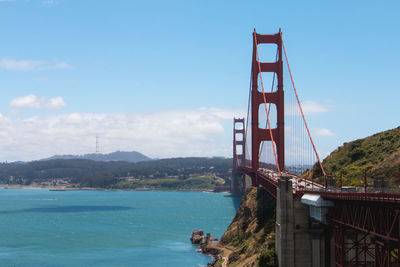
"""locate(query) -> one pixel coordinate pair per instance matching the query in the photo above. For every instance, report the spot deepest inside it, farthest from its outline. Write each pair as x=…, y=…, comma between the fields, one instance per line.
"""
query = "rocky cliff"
x=250, y=238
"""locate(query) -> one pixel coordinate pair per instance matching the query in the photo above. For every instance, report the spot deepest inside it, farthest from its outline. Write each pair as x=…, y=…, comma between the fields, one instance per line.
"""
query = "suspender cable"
x=302, y=113
x=265, y=103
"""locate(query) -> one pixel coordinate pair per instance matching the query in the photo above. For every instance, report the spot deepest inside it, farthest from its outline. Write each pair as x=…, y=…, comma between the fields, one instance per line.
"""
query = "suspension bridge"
x=317, y=223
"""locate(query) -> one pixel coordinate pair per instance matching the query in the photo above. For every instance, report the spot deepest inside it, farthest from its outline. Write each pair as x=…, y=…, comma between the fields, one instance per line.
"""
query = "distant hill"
x=174, y=173
x=132, y=156
x=380, y=152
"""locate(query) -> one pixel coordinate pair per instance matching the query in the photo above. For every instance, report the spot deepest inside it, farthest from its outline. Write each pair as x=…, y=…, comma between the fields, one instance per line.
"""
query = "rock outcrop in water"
x=205, y=241
x=198, y=238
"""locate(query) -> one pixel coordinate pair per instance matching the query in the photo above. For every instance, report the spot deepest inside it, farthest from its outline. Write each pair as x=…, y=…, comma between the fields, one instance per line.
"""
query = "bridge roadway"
x=268, y=178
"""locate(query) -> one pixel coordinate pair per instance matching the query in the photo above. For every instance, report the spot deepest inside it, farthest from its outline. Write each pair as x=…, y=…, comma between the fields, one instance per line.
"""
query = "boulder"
x=195, y=232
x=196, y=239
x=204, y=241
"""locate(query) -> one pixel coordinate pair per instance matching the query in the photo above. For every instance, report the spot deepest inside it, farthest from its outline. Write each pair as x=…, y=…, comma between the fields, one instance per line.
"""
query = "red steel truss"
x=373, y=233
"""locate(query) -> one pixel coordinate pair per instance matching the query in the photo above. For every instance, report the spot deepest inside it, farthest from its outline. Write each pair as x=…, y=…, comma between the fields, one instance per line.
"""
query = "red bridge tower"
x=276, y=135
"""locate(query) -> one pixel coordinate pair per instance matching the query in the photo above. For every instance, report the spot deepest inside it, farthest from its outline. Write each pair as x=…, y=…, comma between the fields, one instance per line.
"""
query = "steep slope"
x=379, y=152
x=250, y=238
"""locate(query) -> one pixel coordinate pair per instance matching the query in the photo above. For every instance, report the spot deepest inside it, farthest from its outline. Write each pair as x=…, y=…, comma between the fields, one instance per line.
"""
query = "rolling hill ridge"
x=131, y=156
x=379, y=153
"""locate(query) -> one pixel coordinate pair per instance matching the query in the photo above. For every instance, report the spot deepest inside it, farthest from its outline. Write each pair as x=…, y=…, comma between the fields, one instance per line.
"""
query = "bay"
x=39, y=227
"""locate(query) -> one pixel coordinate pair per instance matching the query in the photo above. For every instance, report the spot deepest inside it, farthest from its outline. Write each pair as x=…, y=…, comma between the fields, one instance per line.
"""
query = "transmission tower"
x=97, y=144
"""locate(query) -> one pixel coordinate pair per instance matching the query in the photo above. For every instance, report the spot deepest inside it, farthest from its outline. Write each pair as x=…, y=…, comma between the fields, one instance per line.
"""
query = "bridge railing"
x=351, y=189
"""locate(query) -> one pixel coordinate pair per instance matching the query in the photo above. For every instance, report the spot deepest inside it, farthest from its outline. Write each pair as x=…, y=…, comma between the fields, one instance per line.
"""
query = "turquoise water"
x=107, y=228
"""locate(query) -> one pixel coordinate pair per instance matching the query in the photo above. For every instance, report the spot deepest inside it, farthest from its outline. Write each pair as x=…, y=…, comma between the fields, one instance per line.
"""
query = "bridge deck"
x=269, y=180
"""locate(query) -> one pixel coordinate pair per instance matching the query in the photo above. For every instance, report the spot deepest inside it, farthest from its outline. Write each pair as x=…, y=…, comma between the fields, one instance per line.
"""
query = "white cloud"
x=19, y=65
x=58, y=65
x=32, y=101
x=49, y=2
x=29, y=65
x=324, y=132
x=308, y=107
x=172, y=133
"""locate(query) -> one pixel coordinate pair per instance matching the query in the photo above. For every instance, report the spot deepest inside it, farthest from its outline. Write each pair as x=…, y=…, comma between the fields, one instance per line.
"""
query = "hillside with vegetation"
x=379, y=154
x=174, y=173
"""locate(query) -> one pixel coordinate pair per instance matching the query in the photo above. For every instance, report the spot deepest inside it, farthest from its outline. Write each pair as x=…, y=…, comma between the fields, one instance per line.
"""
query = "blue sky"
x=166, y=77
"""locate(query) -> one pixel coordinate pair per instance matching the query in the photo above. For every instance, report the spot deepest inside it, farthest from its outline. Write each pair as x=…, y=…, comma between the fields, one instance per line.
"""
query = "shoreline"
x=105, y=189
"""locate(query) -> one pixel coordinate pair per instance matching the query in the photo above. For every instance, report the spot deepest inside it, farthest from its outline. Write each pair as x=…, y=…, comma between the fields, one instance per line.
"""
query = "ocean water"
x=39, y=227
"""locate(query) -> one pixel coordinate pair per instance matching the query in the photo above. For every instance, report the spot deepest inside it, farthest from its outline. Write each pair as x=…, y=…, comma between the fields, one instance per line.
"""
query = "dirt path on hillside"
x=226, y=251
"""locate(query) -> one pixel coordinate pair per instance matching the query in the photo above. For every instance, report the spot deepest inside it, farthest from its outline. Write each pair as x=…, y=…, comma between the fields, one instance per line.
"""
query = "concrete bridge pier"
x=300, y=241
x=235, y=184
x=284, y=243
x=239, y=183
